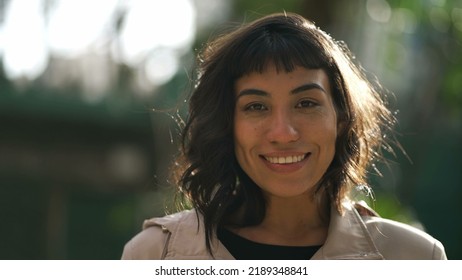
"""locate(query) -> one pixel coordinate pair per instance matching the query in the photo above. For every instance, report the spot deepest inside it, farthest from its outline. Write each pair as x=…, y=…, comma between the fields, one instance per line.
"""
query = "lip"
x=286, y=167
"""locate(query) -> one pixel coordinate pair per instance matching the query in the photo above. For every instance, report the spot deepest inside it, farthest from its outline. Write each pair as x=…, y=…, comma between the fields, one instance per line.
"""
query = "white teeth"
x=285, y=160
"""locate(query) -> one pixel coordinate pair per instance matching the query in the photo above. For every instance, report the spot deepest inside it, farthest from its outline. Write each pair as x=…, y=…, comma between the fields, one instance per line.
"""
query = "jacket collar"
x=348, y=237
x=186, y=237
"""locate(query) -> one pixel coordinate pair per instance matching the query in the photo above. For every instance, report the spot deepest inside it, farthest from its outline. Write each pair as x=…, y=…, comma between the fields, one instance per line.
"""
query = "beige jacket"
x=350, y=236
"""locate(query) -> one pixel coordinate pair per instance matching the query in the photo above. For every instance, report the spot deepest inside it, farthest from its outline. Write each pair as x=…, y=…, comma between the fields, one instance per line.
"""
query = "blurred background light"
x=404, y=20
x=440, y=19
x=379, y=10
x=83, y=42
x=75, y=26
x=161, y=66
x=456, y=15
x=156, y=24
x=25, y=52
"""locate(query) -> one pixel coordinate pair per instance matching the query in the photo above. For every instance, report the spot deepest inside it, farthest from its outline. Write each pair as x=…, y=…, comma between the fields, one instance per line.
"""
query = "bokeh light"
x=144, y=35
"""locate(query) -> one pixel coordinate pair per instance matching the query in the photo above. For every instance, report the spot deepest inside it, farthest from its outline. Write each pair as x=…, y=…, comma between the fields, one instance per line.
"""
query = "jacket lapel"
x=348, y=237
x=186, y=239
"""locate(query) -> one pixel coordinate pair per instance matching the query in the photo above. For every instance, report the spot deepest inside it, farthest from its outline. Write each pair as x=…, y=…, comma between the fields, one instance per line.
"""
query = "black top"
x=244, y=249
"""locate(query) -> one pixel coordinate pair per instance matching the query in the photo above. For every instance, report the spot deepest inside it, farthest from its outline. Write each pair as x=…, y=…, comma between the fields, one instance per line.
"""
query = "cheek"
x=330, y=134
x=239, y=140
x=332, y=141
x=330, y=124
x=246, y=137
x=242, y=134
x=324, y=134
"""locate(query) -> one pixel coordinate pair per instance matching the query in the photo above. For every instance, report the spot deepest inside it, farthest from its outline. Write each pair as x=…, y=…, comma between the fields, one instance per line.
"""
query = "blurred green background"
x=85, y=144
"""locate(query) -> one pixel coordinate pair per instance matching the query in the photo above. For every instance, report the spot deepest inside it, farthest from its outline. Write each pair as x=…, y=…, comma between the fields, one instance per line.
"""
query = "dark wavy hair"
x=208, y=175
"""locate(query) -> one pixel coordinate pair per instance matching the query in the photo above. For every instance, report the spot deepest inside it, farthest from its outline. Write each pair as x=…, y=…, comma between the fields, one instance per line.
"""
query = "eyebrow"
x=307, y=87
x=302, y=88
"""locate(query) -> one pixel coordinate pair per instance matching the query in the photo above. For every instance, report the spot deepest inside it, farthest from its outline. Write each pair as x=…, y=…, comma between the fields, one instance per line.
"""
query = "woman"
x=281, y=127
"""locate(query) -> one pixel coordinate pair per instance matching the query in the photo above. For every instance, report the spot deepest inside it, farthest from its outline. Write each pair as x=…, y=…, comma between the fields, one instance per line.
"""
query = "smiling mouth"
x=286, y=159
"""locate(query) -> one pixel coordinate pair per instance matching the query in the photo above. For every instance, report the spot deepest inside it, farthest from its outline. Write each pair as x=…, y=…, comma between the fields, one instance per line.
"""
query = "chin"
x=288, y=191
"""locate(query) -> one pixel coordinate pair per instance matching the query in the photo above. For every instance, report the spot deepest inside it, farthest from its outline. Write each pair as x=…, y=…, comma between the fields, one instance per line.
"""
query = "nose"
x=282, y=128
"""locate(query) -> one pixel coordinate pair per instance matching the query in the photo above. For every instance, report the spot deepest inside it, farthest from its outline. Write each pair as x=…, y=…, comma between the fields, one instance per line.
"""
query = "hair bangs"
x=281, y=50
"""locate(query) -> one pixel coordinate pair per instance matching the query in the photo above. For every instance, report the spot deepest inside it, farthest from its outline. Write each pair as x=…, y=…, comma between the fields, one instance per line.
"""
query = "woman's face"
x=285, y=127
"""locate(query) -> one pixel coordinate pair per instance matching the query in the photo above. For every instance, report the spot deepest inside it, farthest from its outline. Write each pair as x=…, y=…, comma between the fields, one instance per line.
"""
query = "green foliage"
x=255, y=8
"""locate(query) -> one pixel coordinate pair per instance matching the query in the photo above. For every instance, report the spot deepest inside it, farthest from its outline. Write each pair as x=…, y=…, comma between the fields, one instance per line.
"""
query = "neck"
x=293, y=215
x=293, y=221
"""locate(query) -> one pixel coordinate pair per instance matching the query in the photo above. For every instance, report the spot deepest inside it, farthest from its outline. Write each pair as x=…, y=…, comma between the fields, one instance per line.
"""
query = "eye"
x=306, y=104
x=255, y=107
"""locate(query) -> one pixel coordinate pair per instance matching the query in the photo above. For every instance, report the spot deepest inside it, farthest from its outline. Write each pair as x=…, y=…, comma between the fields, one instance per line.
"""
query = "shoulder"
x=396, y=240
x=152, y=241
